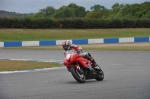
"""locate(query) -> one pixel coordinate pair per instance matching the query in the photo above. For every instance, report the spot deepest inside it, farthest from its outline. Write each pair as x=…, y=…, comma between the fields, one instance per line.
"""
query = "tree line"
x=97, y=11
x=75, y=16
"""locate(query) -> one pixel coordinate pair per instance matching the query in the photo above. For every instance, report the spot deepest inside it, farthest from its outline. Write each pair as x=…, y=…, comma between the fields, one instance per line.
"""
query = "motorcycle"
x=81, y=68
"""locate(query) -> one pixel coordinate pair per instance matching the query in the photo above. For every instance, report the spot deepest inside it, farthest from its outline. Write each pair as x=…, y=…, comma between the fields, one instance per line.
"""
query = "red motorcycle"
x=81, y=68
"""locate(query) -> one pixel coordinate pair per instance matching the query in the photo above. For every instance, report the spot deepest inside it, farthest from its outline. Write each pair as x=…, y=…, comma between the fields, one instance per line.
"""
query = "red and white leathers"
x=73, y=49
x=76, y=49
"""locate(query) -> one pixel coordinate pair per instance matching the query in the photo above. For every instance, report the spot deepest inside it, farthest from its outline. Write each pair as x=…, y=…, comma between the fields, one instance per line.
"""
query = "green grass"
x=60, y=34
x=9, y=65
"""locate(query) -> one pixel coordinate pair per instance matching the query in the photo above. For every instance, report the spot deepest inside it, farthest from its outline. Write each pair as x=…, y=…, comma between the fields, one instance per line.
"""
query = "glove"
x=80, y=50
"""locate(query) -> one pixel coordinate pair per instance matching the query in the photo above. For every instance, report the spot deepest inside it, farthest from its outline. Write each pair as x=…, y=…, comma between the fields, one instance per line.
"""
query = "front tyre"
x=100, y=76
x=80, y=77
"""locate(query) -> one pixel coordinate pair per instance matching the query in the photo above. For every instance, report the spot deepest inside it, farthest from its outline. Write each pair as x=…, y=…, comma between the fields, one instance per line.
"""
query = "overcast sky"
x=33, y=6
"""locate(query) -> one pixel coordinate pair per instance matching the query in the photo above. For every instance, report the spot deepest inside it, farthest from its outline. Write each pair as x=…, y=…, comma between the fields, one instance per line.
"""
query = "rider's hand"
x=80, y=50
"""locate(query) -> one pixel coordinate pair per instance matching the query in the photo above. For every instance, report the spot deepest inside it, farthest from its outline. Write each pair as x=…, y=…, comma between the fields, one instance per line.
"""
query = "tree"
x=64, y=12
x=78, y=10
x=129, y=11
x=98, y=7
x=117, y=6
x=98, y=11
x=145, y=8
x=147, y=15
x=70, y=11
x=48, y=11
x=115, y=9
x=134, y=10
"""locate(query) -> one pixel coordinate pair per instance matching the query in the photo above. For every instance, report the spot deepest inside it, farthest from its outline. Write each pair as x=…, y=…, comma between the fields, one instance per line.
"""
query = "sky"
x=33, y=6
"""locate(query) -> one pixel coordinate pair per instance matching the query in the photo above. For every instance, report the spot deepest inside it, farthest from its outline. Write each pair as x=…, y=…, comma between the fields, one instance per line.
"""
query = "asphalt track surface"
x=127, y=76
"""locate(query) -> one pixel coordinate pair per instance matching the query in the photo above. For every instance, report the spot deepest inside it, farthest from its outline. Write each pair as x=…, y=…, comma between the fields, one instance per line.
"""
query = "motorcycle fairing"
x=73, y=58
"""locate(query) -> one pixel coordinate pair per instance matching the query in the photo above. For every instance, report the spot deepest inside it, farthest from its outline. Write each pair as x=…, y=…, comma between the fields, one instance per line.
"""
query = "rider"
x=69, y=48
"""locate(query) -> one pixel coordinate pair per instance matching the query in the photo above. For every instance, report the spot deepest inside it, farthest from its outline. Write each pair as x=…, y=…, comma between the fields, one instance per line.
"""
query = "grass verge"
x=60, y=34
x=13, y=65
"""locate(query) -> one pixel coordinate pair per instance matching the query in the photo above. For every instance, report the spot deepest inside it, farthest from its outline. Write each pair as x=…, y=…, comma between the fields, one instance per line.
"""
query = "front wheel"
x=80, y=77
x=100, y=76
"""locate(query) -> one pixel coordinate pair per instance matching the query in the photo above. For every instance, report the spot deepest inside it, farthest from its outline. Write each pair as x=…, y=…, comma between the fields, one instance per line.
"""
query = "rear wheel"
x=78, y=75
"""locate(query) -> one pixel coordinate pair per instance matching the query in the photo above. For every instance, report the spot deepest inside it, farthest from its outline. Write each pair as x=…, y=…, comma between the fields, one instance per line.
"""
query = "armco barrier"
x=75, y=41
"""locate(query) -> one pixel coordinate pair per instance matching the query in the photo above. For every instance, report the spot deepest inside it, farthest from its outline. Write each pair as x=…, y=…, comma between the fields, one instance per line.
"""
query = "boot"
x=94, y=64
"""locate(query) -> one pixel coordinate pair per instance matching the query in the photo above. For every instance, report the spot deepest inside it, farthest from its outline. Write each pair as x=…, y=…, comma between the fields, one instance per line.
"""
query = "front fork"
x=78, y=68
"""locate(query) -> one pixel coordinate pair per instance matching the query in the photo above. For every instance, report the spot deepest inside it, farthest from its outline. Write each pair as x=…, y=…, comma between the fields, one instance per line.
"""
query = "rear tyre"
x=80, y=77
x=100, y=76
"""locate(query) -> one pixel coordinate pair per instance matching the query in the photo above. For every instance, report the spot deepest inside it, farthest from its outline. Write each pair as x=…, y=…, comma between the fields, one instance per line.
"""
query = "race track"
x=127, y=76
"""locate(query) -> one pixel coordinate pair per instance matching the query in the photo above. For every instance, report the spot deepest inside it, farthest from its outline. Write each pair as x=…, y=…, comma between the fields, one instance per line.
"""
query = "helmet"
x=66, y=45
